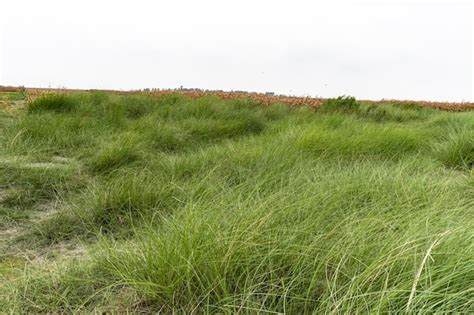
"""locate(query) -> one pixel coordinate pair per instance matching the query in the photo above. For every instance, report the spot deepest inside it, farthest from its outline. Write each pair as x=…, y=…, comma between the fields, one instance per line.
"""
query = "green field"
x=12, y=96
x=172, y=204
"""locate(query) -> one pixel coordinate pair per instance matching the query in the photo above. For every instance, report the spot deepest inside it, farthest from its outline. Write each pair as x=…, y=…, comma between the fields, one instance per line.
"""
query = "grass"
x=115, y=203
x=58, y=103
x=12, y=96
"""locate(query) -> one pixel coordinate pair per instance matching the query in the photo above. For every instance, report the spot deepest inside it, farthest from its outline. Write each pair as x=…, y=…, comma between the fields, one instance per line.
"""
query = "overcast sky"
x=405, y=49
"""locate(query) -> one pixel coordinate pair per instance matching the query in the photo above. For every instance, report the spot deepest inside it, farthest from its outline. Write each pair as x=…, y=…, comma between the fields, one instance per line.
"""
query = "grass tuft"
x=115, y=155
x=342, y=104
x=457, y=149
x=57, y=103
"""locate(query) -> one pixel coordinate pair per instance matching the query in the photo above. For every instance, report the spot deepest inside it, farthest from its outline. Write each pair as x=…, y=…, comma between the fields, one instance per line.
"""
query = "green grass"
x=146, y=204
x=12, y=96
x=57, y=103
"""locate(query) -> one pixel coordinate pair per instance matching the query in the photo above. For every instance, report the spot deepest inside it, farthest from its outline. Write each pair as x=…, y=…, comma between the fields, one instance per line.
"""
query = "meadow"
x=168, y=203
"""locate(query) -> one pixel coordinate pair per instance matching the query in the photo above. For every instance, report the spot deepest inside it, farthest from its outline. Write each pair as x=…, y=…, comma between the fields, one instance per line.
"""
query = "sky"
x=370, y=49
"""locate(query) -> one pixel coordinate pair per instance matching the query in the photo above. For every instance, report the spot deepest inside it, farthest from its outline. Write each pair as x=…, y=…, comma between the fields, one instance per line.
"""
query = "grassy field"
x=168, y=203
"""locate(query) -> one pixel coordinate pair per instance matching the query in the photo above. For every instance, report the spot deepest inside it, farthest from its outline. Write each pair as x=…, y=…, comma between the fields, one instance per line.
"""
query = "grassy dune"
x=169, y=203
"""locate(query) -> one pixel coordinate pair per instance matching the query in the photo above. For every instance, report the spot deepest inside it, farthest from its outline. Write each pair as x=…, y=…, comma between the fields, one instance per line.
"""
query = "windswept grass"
x=212, y=206
x=58, y=103
x=457, y=149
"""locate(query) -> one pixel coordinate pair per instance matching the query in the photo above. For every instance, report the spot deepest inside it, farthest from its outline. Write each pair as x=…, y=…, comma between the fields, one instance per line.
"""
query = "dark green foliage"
x=342, y=104
x=57, y=103
x=375, y=112
x=208, y=130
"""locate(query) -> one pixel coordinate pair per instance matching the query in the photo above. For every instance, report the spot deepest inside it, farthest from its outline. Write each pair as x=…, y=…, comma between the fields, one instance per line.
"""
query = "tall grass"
x=58, y=103
x=211, y=206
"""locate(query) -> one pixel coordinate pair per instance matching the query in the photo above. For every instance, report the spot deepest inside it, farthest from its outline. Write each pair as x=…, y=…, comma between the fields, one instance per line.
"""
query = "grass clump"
x=57, y=103
x=117, y=154
x=128, y=198
x=342, y=104
x=366, y=141
x=210, y=130
x=391, y=113
x=137, y=203
x=26, y=183
x=457, y=149
x=167, y=138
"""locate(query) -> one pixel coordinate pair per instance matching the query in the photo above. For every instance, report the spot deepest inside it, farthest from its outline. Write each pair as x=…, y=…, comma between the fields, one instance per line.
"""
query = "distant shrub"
x=58, y=103
x=342, y=104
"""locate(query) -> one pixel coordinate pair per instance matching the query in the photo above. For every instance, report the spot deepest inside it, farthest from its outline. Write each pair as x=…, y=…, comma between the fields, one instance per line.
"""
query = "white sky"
x=406, y=49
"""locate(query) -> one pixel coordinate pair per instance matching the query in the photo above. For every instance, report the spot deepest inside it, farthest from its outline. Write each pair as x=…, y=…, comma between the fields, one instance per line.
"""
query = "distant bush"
x=58, y=103
x=342, y=104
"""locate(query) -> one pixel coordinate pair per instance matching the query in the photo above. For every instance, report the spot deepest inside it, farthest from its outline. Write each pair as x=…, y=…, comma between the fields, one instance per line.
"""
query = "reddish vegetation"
x=264, y=99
